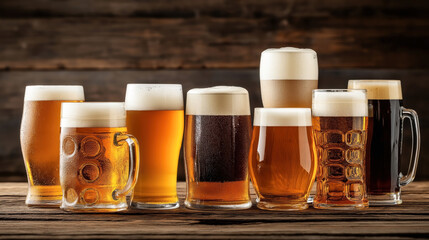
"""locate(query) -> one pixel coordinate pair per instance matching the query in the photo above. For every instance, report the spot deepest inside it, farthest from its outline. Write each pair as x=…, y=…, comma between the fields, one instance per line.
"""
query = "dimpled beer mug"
x=386, y=118
x=40, y=140
x=155, y=117
x=282, y=161
x=99, y=161
x=217, y=140
x=340, y=123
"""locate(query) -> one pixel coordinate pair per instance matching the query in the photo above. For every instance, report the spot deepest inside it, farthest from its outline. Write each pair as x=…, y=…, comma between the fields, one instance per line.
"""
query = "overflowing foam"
x=154, y=97
x=282, y=117
x=220, y=100
x=337, y=103
x=93, y=114
x=54, y=92
x=288, y=64
x=379, y=89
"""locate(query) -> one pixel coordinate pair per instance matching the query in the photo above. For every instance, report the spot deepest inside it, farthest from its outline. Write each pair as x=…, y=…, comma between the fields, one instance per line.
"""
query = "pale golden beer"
x=155, y=117
x=99, y=160
x=217, y=140
x=340, y=124
x=40, y=140
x=282, y=158
x=288, y=76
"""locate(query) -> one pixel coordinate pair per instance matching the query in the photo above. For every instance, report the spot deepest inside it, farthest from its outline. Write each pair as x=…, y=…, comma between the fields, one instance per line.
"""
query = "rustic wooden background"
x=105, y=44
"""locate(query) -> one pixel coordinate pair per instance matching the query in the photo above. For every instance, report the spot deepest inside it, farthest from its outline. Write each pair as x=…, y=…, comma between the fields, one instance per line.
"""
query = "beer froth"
x=282, y=117
x=53, y=92
x=219, y=100
x=93, y=114
x=379, y=89
x=146, y=97
x=352, y=103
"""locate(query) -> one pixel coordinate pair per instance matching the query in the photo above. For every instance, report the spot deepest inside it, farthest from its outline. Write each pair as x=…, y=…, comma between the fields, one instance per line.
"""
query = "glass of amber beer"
x=217, y=140
x=40, y=140
x=340, y=123
x=155, y=117
x=282, y=161
x=288, y=75
x=99, y=161
x=386, y=116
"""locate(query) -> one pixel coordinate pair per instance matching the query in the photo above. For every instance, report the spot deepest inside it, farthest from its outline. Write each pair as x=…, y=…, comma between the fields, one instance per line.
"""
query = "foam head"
x=340, y=103
x=379, y=89
x=288, y=64
x=282, y=117
x=93, y=114
x=220, y=100
x=54, y=92
x=154, y=97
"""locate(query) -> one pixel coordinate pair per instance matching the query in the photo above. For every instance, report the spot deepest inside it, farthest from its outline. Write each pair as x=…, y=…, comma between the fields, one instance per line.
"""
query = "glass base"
x=385, y=199
x=155, y=206
x=340, y=206
x=217, y=205
x=42, y=203
x=44, y=196
x=279, y=206
x=99, y=208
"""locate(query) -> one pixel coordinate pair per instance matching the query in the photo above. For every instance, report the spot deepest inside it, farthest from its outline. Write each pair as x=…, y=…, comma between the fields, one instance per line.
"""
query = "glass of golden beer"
x=40, y=140
x=288, y=75
x=217, y=140
x=385, y=126
x=99, y=161
x=282, y=158
x=155, y=117
x=340, y=124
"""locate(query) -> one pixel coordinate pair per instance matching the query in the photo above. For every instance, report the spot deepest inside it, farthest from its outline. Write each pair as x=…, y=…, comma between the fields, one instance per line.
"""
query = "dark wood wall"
x=105, y=44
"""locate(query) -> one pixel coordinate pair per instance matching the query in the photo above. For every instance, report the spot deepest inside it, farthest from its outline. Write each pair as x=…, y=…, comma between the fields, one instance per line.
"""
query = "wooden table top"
x=411, y=219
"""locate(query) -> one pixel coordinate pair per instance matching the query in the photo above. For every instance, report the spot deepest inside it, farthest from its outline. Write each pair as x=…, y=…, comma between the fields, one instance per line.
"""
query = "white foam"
x=379, y=89
x=288, y=64
x=337, y=103
x=219, y=100
x=93, y=114
x=54, y=92
x=282, y=117
x=154, y=97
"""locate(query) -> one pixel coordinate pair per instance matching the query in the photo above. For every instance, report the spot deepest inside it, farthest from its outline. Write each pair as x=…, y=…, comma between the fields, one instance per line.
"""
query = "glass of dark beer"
x=340, y=123
x=386, y=117
x=217, y=140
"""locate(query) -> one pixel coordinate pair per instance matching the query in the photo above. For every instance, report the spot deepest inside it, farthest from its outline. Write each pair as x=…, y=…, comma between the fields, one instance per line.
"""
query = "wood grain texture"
x=110, y=86
x=112, y=34
x=409, y=220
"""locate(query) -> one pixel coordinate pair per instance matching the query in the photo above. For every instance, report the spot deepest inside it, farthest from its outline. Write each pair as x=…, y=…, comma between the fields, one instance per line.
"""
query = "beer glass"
x=217, y=140
x=386, y=116
x=288, y=75
x=99, y=161
x=40, y=140
x=340, y=123
x=155, y=117
x=282, y=161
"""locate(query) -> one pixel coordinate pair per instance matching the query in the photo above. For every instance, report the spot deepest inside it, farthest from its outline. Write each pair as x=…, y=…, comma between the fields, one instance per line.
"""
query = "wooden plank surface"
x=112, y=34
x=409, y=220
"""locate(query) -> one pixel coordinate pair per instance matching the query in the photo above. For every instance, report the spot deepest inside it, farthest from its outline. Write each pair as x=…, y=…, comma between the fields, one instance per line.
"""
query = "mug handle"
x=415, y=151
x=134, y=158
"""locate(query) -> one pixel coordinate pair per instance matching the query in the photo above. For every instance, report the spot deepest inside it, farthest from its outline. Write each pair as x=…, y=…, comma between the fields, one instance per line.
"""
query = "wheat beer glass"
x=282, y=158
x=386, y=118
x=155, y=117
x=340, y=123
x=217, y=140
x=288, y=75
x=99, y=161
x=40, y=140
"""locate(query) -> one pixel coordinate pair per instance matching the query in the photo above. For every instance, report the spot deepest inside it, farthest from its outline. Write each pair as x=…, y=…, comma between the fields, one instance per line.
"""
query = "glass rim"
x=339, y=90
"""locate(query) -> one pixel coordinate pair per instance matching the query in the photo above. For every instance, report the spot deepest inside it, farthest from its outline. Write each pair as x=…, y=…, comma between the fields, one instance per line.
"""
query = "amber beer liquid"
x=288, y=76
x=40, y=140
x=217, y=139
x=340, y=123
x=282, y=158
x=155, y=116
